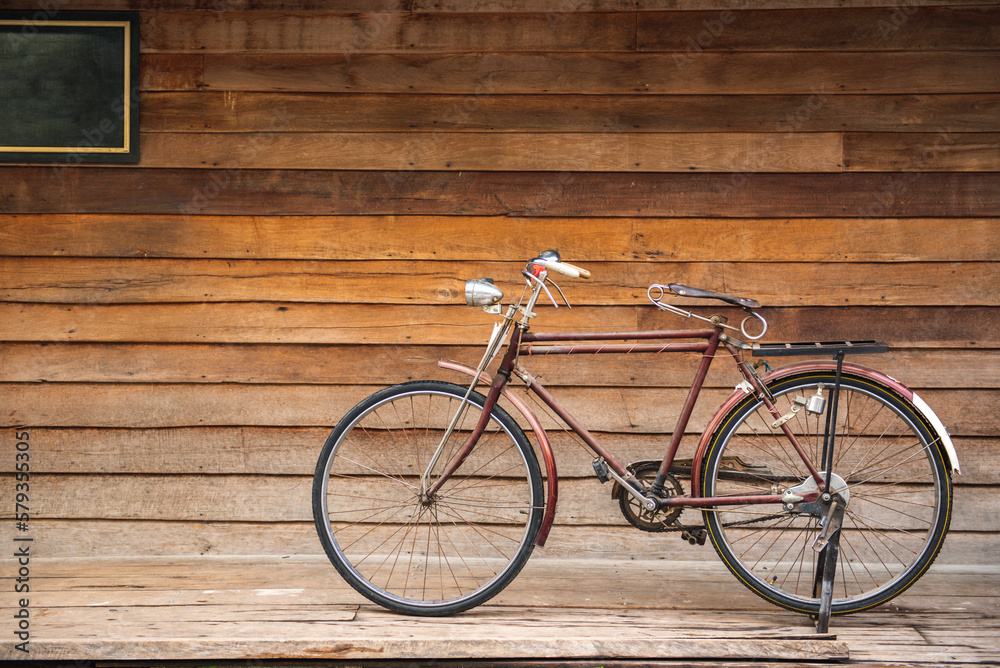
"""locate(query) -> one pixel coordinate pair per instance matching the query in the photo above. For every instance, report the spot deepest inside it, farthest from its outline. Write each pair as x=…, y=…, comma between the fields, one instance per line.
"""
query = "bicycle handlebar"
x=563, y=268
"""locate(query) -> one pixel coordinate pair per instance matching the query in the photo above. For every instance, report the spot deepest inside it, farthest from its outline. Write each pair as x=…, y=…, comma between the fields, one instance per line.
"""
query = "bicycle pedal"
x=694, y=536
x=601, y=470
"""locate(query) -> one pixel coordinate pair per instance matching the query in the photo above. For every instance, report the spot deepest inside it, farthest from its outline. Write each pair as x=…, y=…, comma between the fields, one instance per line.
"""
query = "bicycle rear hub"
x=793, y=496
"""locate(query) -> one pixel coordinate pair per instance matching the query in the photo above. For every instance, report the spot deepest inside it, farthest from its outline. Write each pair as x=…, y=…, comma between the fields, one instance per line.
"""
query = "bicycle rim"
x=392, y=544
x=888, y=466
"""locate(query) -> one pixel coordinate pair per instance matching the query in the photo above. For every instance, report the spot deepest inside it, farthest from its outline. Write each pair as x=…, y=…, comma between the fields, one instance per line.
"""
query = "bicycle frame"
x=706, y=341
x=525, y=343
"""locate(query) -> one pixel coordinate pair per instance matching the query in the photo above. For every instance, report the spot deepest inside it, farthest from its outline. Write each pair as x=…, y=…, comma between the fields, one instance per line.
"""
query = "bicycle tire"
x=406, y=553
x=892, y=467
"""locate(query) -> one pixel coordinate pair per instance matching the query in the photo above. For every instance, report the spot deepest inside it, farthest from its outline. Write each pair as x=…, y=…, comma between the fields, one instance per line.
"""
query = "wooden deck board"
x=492, y=632
x=267, y=608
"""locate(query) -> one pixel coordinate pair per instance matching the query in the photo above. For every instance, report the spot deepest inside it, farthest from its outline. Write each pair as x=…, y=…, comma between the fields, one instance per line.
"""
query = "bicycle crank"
x=655, y=521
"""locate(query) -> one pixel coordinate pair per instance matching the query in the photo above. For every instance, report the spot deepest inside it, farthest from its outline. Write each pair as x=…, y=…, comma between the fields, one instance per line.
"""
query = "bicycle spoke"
x=420, y=553
x=886, y=471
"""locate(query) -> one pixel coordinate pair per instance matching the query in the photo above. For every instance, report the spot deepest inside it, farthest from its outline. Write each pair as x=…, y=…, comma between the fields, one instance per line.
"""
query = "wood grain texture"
x=272, y=323
x=338, y=365
x=944, y=151
x=593, y=606
x=242, y=633
x=294, y=451
x=487, y=6
x=125, y=281
x=247, y=579
x=504, y=73
x=920, y=29
x=314, y=192
x=286, y=499
x=870, y=30
x=950, y=327
x=636, y=410
x=623, y=585
x=338, y=6
x=652, y=5
x=605, y=152
x=151, y=538
x=625, y=410
x=818, y=111
x=120, y=539
x=497, y=238
x=386, y=32
x=171, y=71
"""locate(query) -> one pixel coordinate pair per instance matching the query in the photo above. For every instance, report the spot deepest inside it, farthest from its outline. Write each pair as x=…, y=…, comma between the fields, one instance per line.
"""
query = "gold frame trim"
x=127, y=27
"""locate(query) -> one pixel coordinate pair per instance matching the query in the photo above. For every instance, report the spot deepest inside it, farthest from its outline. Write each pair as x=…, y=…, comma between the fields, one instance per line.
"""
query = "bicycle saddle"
x=685, y=291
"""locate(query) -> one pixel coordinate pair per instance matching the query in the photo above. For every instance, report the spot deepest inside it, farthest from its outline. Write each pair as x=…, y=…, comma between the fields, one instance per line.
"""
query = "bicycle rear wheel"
x=395, y=546
x=888, y=466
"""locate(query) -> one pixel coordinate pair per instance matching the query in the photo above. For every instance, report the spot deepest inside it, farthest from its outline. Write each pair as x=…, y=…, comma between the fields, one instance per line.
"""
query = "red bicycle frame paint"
x=707, y=342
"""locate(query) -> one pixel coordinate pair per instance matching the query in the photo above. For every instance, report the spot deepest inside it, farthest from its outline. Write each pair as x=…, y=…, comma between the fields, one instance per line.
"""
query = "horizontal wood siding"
x=255, y=192
x=318, y=179
x=819, y=111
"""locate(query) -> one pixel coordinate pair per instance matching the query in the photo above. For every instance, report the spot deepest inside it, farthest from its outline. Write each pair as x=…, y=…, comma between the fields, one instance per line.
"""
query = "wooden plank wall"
x=317, y=180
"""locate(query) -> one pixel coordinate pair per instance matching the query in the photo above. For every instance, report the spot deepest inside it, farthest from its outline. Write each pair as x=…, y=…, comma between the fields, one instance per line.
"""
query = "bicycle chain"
x=673, y=525
x=677, y=526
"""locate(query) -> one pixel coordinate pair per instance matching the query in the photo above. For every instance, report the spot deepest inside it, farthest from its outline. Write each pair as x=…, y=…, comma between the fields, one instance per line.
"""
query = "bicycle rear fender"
x=854, y=369
x=543, y=444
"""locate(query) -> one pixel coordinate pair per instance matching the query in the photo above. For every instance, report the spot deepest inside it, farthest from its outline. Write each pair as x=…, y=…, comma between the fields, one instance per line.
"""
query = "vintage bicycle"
x=824, y=486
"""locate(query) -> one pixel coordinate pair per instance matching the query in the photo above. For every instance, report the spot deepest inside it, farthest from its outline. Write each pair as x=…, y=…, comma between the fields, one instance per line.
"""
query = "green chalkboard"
x=69, y=87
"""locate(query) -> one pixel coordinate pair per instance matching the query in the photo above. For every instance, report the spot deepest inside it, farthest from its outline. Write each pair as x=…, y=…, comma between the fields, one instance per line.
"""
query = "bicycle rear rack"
x=832, y=348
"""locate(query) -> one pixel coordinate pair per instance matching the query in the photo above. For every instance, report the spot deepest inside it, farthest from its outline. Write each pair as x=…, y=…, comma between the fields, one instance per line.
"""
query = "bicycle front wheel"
x=887, y=465
x=412, y=553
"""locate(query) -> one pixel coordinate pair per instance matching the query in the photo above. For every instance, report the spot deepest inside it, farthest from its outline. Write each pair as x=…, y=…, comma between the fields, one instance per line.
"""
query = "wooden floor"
x=296, y=611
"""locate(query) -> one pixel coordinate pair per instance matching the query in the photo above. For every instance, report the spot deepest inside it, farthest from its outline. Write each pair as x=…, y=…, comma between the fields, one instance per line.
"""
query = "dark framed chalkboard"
x=69, y=87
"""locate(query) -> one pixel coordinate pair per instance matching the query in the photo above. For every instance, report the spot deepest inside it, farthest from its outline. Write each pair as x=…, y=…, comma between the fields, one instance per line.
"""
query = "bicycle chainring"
x=654, y=521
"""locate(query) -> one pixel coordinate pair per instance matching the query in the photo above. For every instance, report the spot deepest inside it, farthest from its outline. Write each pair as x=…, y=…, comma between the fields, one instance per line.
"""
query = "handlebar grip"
x=583, y=272
x=562, y=267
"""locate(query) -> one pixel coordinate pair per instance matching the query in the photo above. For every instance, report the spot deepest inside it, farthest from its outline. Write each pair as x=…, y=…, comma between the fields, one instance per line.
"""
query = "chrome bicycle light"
x=482, y=292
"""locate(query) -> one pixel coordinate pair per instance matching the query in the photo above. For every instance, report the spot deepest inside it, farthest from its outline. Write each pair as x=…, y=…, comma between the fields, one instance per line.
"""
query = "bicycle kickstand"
x=828, y=541
x=828, y=546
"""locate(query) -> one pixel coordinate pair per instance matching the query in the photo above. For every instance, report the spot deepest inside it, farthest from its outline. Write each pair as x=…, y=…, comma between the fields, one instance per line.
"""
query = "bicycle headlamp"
x=482, y=292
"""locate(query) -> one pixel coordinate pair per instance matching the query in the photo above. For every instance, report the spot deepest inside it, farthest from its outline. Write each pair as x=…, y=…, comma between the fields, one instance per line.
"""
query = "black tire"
x=395, y=547
x=896, y=477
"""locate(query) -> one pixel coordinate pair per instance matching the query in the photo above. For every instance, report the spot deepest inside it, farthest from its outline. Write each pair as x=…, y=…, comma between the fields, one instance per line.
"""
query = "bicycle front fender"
x=829, y=366
x=543, y=443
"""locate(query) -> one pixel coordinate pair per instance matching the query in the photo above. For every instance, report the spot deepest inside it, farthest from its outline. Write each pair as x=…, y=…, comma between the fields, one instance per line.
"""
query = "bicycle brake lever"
x=542, y=283
x=559, y=290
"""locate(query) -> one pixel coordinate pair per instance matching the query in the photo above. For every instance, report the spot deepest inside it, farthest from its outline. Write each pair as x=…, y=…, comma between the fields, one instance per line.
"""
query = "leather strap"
x=685, y=291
